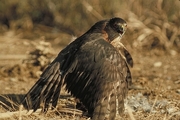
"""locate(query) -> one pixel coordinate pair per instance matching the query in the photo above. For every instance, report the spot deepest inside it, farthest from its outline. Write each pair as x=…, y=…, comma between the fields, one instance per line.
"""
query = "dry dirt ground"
x=154, y=95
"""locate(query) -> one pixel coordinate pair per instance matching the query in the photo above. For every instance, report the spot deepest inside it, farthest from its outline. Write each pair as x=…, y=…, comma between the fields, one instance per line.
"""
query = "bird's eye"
x=118, y=28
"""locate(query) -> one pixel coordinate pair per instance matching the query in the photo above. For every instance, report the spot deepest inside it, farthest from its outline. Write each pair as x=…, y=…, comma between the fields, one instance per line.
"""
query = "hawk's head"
x=111, y=29
x=115, y=28
x=118, y=25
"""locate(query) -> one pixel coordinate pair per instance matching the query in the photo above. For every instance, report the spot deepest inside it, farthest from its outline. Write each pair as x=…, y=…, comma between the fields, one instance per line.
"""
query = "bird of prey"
x=93, y=68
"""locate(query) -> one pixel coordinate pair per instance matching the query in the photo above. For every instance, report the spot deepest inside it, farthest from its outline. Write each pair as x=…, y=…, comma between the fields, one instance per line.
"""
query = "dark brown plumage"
x=93, y=68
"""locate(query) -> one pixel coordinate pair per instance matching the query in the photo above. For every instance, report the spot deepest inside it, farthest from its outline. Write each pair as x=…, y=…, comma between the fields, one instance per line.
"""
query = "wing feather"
x=96, y=73
x=45, y=90
x=94, y=77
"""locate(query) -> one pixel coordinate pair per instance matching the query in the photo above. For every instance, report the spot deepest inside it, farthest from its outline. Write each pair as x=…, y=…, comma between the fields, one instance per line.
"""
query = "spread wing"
x=95, y=72
x=47, y=89
x=98, y=78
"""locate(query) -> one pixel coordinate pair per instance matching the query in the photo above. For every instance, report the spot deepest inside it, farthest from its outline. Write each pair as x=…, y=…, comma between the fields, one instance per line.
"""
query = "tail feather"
x=113, y=106
x=128, y=57
x=121, y=94
x=106, y=106
x=111, y=101
x=45, y=90
x=101, y=109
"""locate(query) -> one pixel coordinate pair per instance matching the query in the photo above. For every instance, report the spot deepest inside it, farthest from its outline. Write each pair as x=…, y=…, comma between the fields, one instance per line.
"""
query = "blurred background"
x=32, y=32
x=151, y=24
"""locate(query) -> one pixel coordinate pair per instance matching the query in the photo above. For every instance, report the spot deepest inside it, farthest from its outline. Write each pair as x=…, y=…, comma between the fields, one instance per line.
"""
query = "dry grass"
x=152, y=26
x=12, y=110
x=155, y=28
x=64, y=113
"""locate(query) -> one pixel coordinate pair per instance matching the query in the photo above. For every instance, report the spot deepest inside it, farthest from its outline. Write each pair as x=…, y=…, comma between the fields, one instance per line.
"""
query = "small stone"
x=173, y=52
x=163, y=111
x=7, y=88
x=13, y=79
x=157, y=64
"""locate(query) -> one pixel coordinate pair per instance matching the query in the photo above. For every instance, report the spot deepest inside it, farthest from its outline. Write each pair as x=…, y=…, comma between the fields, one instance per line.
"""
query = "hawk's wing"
x=98, y=78
x=47, y=89
x=95, y=72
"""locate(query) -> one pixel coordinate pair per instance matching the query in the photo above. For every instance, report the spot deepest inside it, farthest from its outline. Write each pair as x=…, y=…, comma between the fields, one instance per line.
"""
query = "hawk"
x=93, y=68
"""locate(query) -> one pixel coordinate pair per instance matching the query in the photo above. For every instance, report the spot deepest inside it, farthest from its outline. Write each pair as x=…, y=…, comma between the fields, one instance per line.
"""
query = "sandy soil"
x=154, y=95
